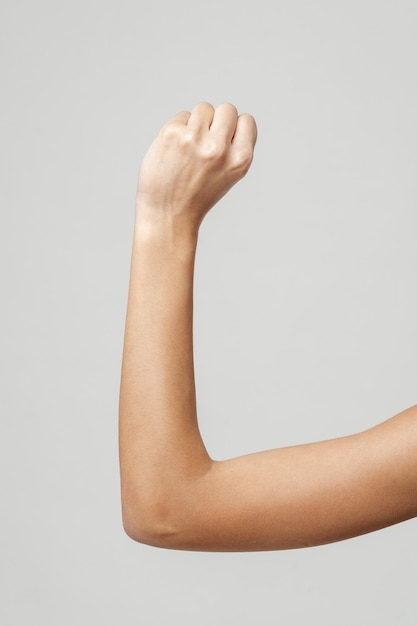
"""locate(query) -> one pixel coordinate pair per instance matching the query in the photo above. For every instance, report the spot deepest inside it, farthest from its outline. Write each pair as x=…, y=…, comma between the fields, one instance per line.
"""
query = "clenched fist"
x=194, y=160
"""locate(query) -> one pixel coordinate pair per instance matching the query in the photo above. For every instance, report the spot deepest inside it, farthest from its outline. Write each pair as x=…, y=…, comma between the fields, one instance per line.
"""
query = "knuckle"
x=188, y=137
x=214, y=150
x=170, y=131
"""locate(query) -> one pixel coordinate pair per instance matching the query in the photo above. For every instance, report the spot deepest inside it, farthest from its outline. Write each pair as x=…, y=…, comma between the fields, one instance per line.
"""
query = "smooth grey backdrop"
x=305, y=311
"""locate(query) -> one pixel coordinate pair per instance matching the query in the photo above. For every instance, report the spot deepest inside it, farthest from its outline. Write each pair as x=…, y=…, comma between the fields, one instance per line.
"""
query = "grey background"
x=305, y=290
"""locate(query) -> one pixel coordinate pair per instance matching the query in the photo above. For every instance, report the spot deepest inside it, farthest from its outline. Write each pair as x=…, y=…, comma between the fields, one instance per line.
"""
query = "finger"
x=224, y=121
x=180, y=118
x=201, y=116
x=244, y=141
x=246, y=132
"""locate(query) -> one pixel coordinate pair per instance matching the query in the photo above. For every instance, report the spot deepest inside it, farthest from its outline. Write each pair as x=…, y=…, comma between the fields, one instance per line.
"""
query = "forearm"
x=192, y=162
x=161, y=450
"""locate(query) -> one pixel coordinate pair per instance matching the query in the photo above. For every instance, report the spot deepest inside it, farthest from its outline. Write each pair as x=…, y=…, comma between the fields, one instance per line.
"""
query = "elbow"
x=165, y=516
x=135, y=530
x=150, y=533
x=151, y=525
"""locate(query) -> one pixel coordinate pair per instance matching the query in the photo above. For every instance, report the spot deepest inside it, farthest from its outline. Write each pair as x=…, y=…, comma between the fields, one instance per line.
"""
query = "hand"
x=194, y=160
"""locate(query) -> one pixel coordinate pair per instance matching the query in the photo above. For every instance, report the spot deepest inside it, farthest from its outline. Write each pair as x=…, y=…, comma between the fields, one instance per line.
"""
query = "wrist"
x=172, y=232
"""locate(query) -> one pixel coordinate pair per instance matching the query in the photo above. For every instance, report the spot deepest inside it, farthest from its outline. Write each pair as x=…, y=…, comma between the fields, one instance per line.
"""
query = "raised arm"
x=173, y=494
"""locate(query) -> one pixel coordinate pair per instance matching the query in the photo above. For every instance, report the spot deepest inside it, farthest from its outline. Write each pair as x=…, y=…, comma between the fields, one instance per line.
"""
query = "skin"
x=173, y=494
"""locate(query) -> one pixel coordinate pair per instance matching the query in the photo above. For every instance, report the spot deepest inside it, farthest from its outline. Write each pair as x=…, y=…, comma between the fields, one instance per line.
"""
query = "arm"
x=173, y=494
